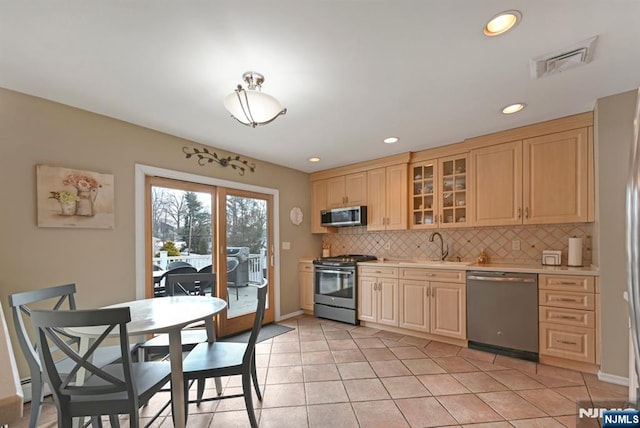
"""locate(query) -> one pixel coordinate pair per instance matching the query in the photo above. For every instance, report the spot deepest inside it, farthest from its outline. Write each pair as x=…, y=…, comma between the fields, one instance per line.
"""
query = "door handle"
x=519, y=212
x=526, y=212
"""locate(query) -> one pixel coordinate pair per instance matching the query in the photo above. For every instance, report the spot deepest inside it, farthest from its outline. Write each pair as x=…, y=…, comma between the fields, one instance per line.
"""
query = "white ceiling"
x=350, y=72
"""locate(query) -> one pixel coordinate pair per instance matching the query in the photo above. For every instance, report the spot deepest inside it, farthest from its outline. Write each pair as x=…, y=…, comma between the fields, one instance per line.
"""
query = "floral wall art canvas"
x=74, y=198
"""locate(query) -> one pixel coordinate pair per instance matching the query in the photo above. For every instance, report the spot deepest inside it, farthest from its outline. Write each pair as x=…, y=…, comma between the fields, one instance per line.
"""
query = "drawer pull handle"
x=564, y=299
x=566, y=342
x=566, y=317
x=568, y=283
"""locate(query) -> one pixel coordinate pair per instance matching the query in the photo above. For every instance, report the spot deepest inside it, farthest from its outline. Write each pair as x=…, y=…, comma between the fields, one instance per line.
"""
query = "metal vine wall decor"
x=204, y=157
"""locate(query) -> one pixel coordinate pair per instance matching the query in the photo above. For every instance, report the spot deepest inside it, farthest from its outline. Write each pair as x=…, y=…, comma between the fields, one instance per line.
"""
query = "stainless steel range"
x=335, y=285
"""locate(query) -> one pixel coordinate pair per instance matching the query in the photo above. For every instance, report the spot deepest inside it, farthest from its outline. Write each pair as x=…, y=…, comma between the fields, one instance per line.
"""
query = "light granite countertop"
x=500, y=267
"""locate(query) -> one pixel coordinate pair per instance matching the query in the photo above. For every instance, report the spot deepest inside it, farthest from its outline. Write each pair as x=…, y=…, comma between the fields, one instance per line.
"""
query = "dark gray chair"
x=232, y=267
x=160, y=290
x=221, y=359
x=181, y=284
x=115, y=389
x=178, y=264
x=59, y=297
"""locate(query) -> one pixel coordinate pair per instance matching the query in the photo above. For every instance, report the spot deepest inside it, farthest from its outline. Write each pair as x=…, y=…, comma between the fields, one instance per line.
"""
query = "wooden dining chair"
x=58, y=298
x=181, y=284
x=219, y=359
x=115, y=389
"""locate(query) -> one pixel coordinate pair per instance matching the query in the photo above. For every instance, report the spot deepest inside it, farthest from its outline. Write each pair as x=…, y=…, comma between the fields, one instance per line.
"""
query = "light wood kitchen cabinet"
x=305, y=271
x=539, y=180
x=347, y=190
x=378, y=295
x=387, y=198
x=555, y=177
x=439, y=192
x=567, y=317
x=318, y=203
x=496, y=188
x=433, y=301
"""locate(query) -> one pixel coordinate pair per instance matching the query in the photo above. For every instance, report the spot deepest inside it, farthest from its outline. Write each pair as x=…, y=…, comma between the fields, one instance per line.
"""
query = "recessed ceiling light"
x=513, y=108
x=390, y=140
x=502, y=22
x=314, y=159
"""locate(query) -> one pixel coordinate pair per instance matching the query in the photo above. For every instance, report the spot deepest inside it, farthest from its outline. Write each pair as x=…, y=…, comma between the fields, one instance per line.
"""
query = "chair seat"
x=149, y=377
x=190, y=338
x=214, y=356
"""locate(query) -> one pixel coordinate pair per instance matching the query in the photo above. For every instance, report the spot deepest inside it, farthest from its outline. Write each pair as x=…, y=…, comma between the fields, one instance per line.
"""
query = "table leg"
x=177, y=379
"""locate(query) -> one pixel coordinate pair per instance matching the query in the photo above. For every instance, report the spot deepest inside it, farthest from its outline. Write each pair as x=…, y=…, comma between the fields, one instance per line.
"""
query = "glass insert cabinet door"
x=439, y=192
x=424, y=200
x=453, y=191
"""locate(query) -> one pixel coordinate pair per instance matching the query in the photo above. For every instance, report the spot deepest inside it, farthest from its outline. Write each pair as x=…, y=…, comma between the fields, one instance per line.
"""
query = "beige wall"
x=101, y=262
x=613, y=137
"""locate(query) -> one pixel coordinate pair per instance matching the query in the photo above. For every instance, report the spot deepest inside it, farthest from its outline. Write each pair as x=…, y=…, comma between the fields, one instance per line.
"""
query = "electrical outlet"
x=387, y=245
x=515, y=245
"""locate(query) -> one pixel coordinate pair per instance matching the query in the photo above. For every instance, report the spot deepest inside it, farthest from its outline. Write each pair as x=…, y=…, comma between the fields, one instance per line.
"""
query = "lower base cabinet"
x=567, y=315
x=434, y=307
x=426, y=300
x=378, y=295
x=305, y=272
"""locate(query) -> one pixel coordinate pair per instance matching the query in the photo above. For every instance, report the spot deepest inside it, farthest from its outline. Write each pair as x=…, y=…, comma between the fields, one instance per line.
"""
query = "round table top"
x=163, y=313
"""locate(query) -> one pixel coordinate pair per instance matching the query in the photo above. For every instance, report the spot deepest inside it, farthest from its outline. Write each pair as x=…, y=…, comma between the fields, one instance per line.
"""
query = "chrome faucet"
x=443, y=253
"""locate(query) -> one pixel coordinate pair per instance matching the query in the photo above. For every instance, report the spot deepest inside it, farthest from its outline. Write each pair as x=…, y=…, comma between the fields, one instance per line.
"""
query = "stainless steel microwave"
x=340, y=217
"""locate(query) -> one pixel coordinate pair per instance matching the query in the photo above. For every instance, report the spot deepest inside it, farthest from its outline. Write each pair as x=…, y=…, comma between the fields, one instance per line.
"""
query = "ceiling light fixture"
x=513, y=108
x=250, y=106
x=502, y=22
x=390, y=140
x=314, y=159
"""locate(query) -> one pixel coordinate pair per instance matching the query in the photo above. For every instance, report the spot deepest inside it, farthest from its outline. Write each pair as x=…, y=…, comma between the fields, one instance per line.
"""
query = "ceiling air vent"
x=555, y=62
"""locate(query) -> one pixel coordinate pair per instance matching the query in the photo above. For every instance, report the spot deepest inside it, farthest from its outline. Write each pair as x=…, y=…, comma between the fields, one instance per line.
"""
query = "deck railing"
x=256, y=263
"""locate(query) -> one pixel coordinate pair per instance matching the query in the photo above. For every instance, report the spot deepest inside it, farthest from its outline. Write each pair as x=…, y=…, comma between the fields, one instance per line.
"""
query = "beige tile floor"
x=328, y=374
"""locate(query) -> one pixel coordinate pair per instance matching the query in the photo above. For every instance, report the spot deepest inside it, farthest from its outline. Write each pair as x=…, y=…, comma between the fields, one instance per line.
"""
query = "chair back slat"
x=257, y=322
x=190, y=283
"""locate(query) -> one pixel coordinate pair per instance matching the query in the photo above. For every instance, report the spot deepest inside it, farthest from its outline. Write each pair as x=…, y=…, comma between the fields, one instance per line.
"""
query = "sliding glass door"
x=200, y=227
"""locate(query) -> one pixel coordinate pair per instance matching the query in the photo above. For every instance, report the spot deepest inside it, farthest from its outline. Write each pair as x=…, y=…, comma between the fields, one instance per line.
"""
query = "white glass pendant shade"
x=250, y=106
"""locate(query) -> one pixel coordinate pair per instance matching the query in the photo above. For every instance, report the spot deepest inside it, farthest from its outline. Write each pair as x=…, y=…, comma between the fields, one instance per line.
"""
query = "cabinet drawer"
x=378, y=271
x=574, y=343
x=566, y=299
x=305, y=267
x=565, y=316
x=567, y=283
x=442, y=275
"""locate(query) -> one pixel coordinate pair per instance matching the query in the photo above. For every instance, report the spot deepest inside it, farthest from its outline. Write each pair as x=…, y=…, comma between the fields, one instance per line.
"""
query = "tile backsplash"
x=497, y=242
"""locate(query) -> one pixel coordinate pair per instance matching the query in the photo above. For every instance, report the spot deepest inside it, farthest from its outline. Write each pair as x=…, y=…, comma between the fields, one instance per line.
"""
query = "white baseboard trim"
x=618, y=380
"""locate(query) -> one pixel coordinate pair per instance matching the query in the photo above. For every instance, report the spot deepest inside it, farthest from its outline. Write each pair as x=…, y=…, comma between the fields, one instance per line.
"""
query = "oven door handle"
x=338, y=272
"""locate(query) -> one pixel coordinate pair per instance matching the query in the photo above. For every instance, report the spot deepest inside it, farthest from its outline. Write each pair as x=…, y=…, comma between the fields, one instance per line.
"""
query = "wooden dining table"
x=164, y=315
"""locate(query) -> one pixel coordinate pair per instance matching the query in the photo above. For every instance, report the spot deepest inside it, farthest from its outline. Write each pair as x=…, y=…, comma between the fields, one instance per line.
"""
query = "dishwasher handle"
x=500, y=279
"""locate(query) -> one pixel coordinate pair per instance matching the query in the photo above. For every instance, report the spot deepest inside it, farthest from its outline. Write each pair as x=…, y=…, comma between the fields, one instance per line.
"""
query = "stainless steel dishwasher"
x=502, y=313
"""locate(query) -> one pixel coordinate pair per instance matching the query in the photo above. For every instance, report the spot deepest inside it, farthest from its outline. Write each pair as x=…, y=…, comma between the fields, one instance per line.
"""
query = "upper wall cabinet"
x=387, y=198
x=539, y=180
x=439, y=192
x=347, y=190
x=318, y=203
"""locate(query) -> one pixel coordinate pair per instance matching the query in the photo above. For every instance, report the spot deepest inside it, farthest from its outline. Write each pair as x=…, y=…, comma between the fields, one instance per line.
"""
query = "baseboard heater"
x=508, y=352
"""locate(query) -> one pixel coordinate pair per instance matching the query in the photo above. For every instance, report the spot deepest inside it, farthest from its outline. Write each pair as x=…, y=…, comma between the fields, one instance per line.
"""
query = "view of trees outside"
x=185, y=218
x=247, y=223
